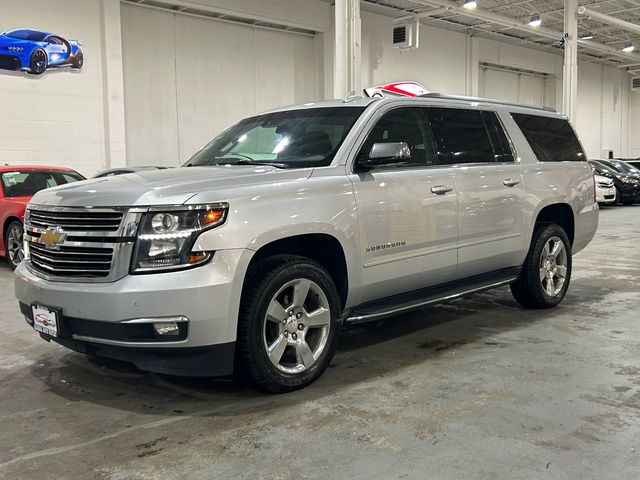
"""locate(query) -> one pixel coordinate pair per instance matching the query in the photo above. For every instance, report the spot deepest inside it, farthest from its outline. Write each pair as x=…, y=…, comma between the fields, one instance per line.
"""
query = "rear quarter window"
x=551, y=139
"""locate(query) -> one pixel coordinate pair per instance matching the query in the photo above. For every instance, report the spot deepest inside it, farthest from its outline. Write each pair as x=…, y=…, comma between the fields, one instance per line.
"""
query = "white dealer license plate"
x=45, y=320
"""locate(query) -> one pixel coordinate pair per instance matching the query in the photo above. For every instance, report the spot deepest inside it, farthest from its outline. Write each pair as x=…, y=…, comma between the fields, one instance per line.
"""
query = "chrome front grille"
x=69, y=221
x=80, y=244
x=72, y=261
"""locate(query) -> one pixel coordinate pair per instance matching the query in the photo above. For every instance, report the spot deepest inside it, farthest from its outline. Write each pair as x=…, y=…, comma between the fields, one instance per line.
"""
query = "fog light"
x=166, y=328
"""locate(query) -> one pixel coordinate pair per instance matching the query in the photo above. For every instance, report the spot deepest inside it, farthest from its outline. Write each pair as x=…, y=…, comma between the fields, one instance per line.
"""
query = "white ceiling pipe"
x=492, y=18
x=632, y=27
x=430, y=13
x=525, y=27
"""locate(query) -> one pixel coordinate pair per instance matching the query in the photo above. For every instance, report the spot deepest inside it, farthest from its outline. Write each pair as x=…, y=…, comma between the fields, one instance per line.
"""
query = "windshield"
x=290, y=139
x=601, y=167
x=26, y=183
x=26, y=35
x=625, y=167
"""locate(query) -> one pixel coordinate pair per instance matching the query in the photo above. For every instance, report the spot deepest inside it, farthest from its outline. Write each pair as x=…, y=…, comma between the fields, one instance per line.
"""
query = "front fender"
x=321, y=205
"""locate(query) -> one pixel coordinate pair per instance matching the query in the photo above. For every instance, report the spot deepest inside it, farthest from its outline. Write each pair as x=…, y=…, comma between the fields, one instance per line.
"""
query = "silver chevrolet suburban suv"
x=250, y=257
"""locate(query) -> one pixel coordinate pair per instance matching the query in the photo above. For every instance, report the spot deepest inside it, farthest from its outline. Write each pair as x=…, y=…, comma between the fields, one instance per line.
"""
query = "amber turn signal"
x=212, y=216
x=197, y=257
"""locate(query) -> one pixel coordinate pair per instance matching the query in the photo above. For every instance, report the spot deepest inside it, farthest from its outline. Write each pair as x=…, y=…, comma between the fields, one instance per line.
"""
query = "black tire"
x=529, y=290
x=38, y=62
x=264, y=281
x=78, y=60
x=15, y=254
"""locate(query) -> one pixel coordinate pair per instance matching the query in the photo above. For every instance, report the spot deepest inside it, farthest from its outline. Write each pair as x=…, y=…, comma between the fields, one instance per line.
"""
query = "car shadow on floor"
x=366, y=352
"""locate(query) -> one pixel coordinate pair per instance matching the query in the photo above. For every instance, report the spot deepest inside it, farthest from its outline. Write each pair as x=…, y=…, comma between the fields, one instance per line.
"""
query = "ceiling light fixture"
x=535, y=21
x=628, y=48
x=586, y=36
x=470, y=5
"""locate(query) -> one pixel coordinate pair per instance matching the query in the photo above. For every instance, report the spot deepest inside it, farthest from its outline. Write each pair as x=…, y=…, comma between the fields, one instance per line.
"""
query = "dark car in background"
x=626, y=179
x=17, y=185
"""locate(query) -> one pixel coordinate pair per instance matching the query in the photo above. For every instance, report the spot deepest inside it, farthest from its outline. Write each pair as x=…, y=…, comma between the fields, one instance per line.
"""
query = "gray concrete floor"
x=478, y=388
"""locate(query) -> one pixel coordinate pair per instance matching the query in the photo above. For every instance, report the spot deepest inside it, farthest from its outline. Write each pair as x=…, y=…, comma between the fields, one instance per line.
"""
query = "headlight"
x=167, y=235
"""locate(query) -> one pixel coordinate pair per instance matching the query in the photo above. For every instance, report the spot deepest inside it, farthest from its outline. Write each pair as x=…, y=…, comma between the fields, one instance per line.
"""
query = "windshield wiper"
x=254, y=162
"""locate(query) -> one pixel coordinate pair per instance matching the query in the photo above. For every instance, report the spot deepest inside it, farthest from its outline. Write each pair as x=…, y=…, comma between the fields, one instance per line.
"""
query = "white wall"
x=634, y=129
x=61, y=117
x=188, y=78
x=209, y=75
x=439, y=64
x=445, y=60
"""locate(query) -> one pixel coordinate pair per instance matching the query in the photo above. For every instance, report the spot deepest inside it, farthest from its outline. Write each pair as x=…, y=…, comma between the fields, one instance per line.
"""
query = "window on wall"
x=551, y=139
x=460, y=136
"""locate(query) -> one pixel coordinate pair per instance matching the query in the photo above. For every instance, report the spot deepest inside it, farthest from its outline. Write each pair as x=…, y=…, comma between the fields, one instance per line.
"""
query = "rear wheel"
x=38, y=63
x=78, y=60
x=288, y=329
x=13, y=244
x=546, y=271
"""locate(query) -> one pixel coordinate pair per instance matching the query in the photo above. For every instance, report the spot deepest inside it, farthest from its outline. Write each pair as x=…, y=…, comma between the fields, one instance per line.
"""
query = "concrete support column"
x=472, y=67
x=112, y=84
x=347, y=55
x=570, y=67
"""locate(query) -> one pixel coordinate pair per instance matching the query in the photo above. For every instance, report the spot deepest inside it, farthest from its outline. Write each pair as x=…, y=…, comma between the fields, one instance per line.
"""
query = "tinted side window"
x=551, y=139
x=501, y=148
x=460, y=136
x=407, y=125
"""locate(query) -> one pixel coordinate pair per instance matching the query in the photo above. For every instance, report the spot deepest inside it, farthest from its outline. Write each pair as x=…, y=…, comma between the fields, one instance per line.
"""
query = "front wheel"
x=13, y=244
x=38, y=63
x=546, y=272
x=288, y=324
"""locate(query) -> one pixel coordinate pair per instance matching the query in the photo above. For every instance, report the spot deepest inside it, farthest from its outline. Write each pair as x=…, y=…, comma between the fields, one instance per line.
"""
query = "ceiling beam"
x=632, y=27
x=516, y=24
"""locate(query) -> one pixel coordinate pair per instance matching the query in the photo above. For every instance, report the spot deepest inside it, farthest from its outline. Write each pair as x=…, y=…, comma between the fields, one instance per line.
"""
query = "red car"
x=19, y=184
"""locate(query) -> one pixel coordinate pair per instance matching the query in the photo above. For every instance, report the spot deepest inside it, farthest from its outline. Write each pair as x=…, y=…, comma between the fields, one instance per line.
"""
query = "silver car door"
x=407, y=211
x=491, y=196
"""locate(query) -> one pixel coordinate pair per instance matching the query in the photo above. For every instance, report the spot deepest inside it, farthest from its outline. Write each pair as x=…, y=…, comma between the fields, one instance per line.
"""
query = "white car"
x=605, y=190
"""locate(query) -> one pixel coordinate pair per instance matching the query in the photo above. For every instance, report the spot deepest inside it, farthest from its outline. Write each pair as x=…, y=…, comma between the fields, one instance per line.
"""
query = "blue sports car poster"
x=34, y=51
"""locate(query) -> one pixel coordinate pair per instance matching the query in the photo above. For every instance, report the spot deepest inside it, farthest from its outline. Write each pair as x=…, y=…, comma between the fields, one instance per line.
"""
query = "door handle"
x=510, y=182
x=441, y=189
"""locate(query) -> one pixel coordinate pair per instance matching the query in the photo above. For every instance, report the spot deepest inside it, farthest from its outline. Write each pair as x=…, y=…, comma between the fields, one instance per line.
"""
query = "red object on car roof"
x=403, y=89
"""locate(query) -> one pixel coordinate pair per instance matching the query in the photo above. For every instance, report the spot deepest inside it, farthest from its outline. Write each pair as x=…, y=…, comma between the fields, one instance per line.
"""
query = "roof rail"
x=484, y=100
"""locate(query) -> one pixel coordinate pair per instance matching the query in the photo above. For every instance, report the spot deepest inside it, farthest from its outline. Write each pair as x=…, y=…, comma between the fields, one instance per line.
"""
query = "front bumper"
x=605, y=195
x=10, y=62
x=94, y=314
x=630, y=193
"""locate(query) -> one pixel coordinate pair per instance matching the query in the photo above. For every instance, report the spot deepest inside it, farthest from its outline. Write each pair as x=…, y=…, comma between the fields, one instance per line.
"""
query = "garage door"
x=515, y=86
x=188, y=78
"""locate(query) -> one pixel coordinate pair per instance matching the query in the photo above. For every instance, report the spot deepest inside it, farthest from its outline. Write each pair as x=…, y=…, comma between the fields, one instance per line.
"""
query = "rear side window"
x=551, y=139
x=460, y=136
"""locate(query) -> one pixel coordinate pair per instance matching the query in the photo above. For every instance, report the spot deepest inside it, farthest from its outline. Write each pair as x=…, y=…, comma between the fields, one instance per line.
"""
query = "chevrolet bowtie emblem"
x=53, y=237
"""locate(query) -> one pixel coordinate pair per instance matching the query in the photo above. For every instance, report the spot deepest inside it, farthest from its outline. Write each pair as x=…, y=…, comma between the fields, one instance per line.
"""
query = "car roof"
x=30, y=30
x=11, y=168
x=430, y=99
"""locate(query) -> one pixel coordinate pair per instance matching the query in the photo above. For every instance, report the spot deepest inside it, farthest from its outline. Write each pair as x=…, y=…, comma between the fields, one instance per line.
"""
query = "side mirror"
x=384, y=154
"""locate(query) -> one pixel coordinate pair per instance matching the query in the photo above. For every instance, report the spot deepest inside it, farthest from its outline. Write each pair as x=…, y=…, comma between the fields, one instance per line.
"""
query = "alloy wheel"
x=15, y=249
x=296, y=326
x=553, y=266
